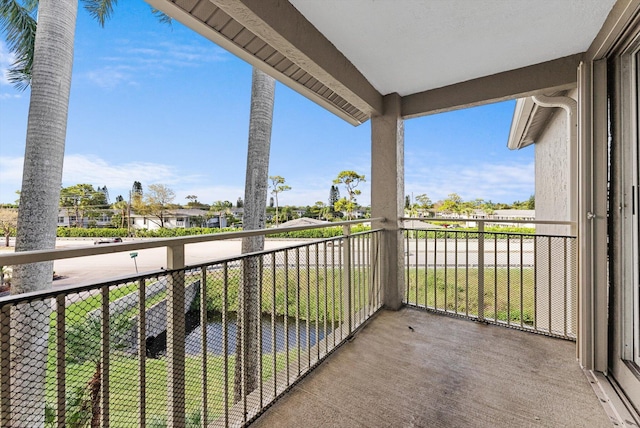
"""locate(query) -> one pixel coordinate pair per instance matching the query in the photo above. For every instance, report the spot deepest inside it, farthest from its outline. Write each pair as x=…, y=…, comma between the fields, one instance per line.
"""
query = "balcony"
x=215, y=344
x=412, y=368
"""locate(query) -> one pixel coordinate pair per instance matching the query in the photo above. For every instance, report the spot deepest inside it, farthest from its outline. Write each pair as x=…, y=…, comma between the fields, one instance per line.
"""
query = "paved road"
x=85, y=269
x=102, y=267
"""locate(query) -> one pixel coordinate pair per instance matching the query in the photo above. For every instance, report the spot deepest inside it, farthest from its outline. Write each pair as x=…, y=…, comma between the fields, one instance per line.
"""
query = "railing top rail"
x=69, y=253
x=492, y=220
x=77, y=288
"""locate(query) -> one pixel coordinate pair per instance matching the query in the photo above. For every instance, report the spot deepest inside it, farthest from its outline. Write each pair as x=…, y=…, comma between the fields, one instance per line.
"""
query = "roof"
x=303, y=221
x=529, y=120
x=417, y=224
x=437, y=55
x=515, y=213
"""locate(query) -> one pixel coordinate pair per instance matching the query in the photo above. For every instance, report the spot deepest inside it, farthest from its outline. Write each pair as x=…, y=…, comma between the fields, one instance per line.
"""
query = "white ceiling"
x=410, y=46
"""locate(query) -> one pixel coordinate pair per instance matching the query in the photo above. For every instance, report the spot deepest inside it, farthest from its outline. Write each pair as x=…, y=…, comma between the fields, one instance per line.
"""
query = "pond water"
x=156, y=346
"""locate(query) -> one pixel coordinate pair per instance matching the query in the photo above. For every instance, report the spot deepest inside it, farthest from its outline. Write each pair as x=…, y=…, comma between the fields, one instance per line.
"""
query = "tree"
x=334, y=196
x=350, y=180
x=271, y=202
x=8, y=222
x=247, y=373
x=453, y=204
x=123, y=208
x=156, y=202
x=51, y=45
x=407, y=202
x=105, y=192
x=531, y=203
x=277, y=186
x=424, y=202
x=239, y=203
x=319, y=210
x=193, y=201
x=83, y=200
x=44, y=60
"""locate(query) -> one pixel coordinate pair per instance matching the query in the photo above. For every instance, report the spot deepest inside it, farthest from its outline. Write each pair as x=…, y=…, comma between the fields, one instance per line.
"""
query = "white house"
x=180, y=218
x=69, y=218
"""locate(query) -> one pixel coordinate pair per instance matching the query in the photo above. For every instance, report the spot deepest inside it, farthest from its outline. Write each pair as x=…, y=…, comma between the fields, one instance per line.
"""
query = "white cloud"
x=93, y=170
x=130, y=64
x=7, y=58
x=111, y=76
x=499, y=182
x=209, y=194
x=10, y=177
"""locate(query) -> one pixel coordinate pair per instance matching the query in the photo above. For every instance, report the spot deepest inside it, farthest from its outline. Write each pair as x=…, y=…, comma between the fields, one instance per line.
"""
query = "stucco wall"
x=555, y=276
x=553, y=174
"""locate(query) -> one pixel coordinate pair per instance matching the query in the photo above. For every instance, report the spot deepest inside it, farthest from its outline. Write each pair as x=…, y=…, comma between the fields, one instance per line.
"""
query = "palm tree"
x=45, y=61
x=255, y=197
x=277, y=186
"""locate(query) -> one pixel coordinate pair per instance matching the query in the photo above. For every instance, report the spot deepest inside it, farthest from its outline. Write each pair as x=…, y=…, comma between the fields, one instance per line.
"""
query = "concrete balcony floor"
x=442, y=372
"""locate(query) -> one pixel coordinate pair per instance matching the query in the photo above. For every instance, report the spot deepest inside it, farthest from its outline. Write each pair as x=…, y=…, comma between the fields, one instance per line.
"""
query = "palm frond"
x=161, y=16
x=100, y=10
x=19, y=26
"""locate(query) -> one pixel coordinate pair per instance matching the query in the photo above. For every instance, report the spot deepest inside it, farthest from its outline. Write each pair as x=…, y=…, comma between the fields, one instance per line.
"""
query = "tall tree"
x=334, y=196
x=350, y=180
x=193, y=201
x=44, y=54
x=247, y=374
x=423, y=201
x=83, y=200
x=157, y=201
x=277, y=186
x=50, y=71
x=452, y=205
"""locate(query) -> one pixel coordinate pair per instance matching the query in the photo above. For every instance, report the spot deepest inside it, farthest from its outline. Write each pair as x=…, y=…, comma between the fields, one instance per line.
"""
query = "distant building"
x=180, y=218
x=69, y=218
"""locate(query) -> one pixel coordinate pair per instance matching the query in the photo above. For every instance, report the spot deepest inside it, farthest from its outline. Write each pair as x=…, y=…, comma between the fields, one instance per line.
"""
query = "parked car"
x=107, y=241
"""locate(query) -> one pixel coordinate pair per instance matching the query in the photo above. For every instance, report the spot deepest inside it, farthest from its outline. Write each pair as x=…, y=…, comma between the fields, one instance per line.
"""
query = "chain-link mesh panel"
x=211, y=344
x=28, y=363
x=524, y=281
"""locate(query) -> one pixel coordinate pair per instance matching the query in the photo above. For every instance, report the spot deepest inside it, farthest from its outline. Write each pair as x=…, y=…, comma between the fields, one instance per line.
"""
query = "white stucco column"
x=387, y=196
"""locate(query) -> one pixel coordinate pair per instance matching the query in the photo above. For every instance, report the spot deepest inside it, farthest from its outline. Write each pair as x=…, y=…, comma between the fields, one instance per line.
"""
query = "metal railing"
x=519, y=280
x=205, y=345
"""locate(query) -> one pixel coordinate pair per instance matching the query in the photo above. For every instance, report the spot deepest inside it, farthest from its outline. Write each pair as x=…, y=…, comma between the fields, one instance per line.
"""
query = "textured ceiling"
x=411, y=46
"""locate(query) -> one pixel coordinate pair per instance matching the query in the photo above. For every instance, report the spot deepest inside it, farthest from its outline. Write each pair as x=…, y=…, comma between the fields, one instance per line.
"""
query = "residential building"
x=180, y=218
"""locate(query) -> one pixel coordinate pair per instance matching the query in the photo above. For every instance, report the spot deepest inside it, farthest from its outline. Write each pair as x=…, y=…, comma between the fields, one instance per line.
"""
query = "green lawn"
x=124, y=385
x=509, y=294
x=318, y=296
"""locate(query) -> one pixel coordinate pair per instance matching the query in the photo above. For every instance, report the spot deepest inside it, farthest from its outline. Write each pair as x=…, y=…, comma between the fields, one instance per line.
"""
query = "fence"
x=205, y=345
x=525, y=281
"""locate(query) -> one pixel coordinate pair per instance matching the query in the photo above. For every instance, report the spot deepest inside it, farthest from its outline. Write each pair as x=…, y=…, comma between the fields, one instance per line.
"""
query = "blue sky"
x=161, y=104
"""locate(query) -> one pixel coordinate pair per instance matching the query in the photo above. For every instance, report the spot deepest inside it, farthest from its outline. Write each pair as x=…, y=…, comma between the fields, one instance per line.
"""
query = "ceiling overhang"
x=277, y=38
x=274, y=37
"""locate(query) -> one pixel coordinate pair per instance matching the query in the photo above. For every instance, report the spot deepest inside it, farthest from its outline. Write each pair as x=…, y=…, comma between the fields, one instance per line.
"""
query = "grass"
x=509, y=293
x=124, y=387
x=313, y=294
x=309, y=293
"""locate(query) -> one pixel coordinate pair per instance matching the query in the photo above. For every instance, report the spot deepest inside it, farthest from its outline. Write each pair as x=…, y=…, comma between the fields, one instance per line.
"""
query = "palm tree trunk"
x=39, y=199
x=247, y=374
